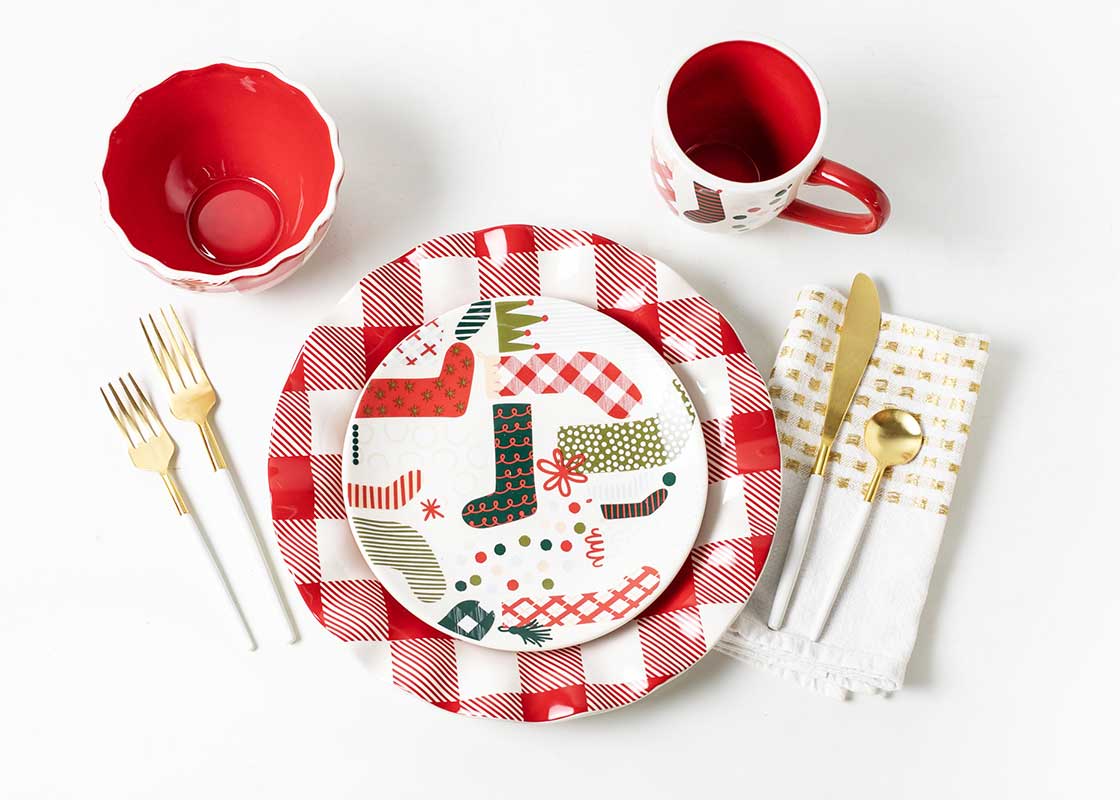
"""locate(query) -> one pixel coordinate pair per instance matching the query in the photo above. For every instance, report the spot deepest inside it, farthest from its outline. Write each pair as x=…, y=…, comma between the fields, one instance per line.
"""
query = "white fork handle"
x=190, y=522
x=837, y=579
x=798, y=544
x=266, y=561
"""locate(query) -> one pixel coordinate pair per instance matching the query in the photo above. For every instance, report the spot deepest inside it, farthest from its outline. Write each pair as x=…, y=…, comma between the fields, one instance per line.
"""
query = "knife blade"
x=858, y=333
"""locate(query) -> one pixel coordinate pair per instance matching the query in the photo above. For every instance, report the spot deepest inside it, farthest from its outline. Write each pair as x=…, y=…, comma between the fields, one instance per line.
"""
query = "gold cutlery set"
x=151, y=447
x=893, y=437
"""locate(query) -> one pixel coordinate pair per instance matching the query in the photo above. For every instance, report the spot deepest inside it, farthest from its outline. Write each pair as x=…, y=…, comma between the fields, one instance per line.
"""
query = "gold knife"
x=858, y=334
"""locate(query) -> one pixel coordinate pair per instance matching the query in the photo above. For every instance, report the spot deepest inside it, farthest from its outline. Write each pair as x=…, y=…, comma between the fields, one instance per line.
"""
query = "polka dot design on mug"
x=754, y=216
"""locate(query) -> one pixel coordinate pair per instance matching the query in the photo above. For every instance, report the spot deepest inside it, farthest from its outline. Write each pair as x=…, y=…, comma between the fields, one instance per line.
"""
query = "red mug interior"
x=744, y=111
x=218, y=169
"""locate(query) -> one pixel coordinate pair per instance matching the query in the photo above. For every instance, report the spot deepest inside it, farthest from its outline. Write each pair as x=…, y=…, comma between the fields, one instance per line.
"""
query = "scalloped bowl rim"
x=324, y=217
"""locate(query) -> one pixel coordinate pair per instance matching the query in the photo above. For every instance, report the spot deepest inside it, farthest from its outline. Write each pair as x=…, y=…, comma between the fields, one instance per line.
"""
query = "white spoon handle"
x=837, y=579
x=799, y=542
x=192, y=524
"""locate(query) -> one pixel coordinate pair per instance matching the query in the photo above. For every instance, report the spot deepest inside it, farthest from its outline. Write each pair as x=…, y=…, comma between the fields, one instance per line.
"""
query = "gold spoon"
x=893, y=437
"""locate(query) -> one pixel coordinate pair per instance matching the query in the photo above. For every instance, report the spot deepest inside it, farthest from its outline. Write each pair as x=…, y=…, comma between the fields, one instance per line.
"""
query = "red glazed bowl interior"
x=219, y=169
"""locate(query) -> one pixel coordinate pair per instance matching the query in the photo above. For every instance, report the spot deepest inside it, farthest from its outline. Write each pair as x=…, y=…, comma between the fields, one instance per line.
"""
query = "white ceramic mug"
x=739, y=128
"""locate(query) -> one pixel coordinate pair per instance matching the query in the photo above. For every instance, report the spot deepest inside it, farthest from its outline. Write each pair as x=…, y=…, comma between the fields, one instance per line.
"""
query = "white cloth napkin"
x=926, y=369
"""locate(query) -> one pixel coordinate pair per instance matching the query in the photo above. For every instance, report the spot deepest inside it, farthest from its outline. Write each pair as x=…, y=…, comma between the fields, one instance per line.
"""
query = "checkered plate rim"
x=742, y=447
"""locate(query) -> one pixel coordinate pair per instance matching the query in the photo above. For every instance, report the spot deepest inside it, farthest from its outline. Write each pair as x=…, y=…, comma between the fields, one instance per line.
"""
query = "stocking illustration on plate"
x=507, y=467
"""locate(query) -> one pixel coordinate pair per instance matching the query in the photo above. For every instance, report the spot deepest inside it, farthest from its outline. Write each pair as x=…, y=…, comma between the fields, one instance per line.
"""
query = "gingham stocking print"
x=594, y=376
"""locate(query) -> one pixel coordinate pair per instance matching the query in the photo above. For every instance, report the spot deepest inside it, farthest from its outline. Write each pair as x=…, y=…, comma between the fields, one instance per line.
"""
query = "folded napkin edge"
x=829, y=678
x=829, y=290
x=779, y=643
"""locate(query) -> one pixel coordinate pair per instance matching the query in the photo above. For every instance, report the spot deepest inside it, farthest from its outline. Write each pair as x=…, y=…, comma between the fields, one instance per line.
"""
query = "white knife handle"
x=191, y=523
x=837, y=578
x=798, y=544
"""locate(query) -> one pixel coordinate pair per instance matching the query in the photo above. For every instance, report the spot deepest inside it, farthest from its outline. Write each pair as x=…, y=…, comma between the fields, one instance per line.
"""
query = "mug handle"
x=862, y=188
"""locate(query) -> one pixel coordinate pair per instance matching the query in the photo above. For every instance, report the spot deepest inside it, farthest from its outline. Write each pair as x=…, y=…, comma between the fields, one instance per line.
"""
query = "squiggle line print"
x=594, y=541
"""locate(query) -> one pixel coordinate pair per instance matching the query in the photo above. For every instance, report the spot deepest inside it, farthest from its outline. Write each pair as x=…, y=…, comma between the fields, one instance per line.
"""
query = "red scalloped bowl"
x=222, y=178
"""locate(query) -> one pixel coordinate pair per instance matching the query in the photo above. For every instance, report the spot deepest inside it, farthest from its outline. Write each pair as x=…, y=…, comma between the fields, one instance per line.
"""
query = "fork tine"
x=179, y=345
x=139, y=411
x=168, y=354
x=125, y=413
x=188, y=348
x=116, y=419
x=155, y=355
x=152, y=416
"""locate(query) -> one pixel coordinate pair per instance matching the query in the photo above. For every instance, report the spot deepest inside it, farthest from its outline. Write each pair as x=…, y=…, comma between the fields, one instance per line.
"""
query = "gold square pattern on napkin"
x=926, y=369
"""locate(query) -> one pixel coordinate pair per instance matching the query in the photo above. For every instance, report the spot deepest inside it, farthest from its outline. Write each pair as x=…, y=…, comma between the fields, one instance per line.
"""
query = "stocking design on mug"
x=662, y=177
x=709, y=208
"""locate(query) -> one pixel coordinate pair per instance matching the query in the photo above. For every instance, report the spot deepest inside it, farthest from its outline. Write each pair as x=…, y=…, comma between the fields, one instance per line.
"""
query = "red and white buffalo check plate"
x=737, y=420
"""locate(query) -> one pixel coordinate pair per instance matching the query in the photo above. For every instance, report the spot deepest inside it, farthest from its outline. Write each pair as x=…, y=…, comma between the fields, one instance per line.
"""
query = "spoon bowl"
x=893, y=436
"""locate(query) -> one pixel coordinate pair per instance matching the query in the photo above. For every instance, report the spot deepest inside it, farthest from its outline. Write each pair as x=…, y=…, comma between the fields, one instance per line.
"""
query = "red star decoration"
x=431, y=509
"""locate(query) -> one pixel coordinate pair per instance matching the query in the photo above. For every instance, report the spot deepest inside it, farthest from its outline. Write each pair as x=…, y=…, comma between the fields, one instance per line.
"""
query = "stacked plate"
x=533, y=464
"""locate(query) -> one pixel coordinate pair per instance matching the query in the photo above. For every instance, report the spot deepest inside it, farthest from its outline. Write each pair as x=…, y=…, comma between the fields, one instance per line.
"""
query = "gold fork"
x=151, y=448
x=192, y=400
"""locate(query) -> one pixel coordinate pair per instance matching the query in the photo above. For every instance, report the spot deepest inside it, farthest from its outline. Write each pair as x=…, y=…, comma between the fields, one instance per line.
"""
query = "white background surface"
x=992, y=126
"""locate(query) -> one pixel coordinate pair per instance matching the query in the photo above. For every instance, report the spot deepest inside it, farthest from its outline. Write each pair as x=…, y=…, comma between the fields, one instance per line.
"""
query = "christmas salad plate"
x=525, y=473
x=312, y=439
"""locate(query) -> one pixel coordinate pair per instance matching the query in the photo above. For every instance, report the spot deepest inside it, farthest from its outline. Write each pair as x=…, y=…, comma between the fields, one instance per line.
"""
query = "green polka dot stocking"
x=638, y=444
